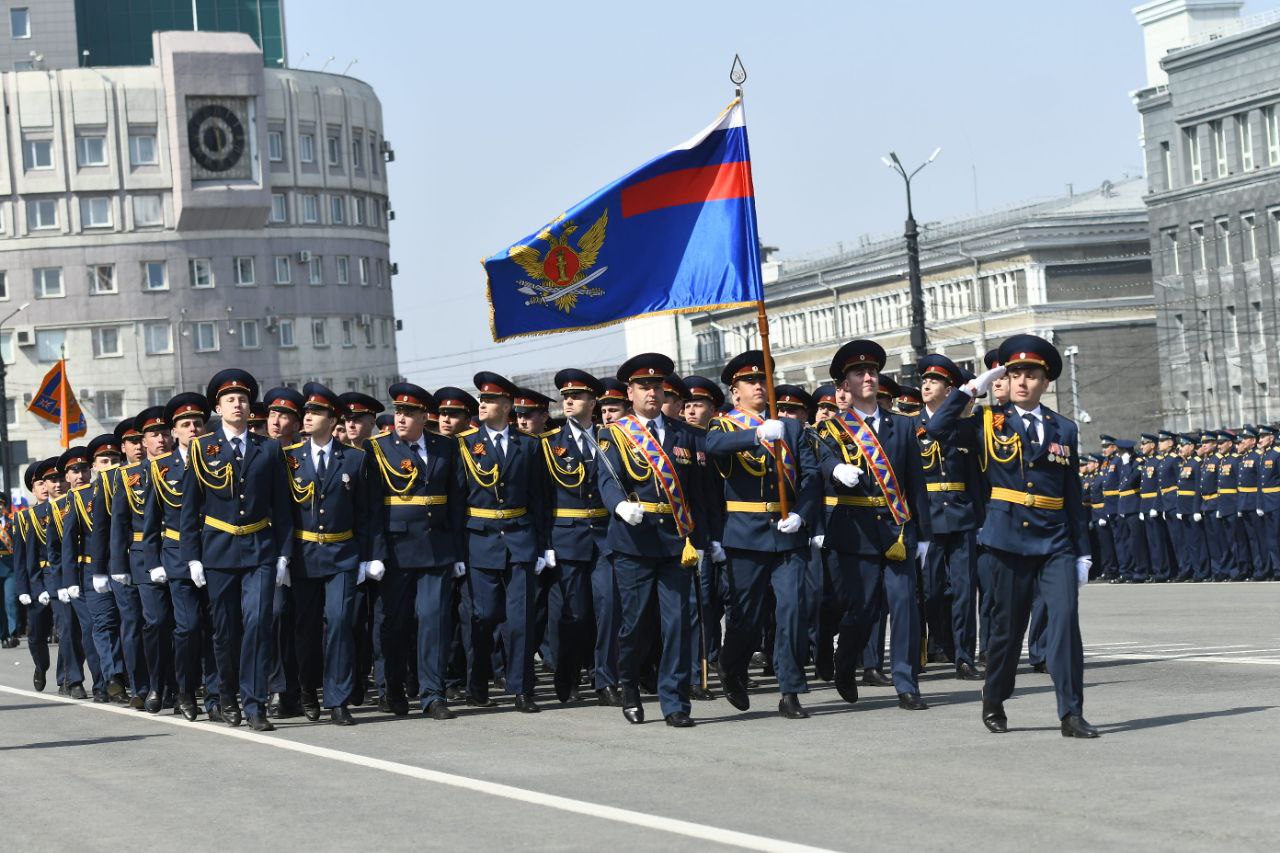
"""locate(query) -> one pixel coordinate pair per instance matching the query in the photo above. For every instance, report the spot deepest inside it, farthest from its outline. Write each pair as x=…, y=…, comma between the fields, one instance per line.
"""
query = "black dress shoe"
x=76, y=691
x=455, y=694
x=565, y=680
x=500, y=685
x=911, y=702
x=680, y=720
x=939, y=657
x=631, y=707
x=398, y=704
x=847, y=686
x=439, y=710
x=1040, y=667
x=100, y=697
x=701, y=693
x=1074, y=725
x=290, y=706
x=215, y=713
x=137, y=703
x=9, y=643
x=274, y=701
x=790, y=707
x=734, y=688
x=311, y=706
x=63, y=690
x=966, y=672
x=876, y=678
x=259, y=723
x=339, y=716
x=37, y=680
x=610, y=697
x=480, y=701
x=982, y=658
x=230, y=713
x=526, y=705
x=993, y=717
x=187, y=707
x=117, y=691
x=152, y=703
x=758, y=659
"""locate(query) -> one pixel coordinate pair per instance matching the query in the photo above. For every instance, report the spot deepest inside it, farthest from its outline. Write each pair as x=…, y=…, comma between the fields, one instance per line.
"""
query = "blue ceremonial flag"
x=55, y=402
x=677, y=234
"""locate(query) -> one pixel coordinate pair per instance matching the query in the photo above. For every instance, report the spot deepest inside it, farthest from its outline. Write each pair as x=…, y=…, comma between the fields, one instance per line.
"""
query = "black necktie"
x=236, y=445
x=497, y=443
x=584, y=446
x=1033, y=437
x=422, y=453
x=653, y=430
x=321, y=467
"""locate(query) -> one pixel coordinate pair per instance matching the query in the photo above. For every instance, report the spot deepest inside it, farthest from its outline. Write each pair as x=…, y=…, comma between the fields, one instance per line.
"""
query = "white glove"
x=459, y=569
x=73, y=591
x=922, y=550
x=818, y=540
x=769, y=431
x=1102, y=522
x=539, y=564
x=1195, y=516
x=550, y=557
x=717, y=553
x=846, y=475
x=375, y=570
x=123, y=580
x=43, y=598
x=101, y=583
x=24, y=599
x=362, y=572
x=1142, y=516
x=197, y=572
x=1179, y=516
x=1239, y=515
x=982, y=383
x=158, y=575
x=630, y=512
x=1083, y=564
x=791, y=523
x=64, y=597
x=1218, y=513
x=1259, y=512
x=282, y=572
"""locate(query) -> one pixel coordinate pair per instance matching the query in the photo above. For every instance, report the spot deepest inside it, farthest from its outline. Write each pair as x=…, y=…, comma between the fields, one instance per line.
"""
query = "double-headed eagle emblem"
x=562, y=275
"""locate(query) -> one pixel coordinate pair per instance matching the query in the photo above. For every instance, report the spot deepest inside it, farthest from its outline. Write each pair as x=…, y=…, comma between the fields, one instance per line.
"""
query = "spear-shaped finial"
x=738, y=73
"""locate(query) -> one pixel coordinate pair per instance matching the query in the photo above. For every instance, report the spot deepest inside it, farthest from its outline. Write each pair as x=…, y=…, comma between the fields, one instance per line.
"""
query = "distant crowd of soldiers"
x=265, y=559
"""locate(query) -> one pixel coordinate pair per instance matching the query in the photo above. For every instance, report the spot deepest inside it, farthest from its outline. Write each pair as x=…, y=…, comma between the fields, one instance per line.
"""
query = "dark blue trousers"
x=950, y=595
x=1158, y=547
x=433, y=605
x=572, y=603
x=709, y=586
x=158, y=636
x=193, y=656
x=1222, y=550
x=104, y=630
x=984, y=599
x=1135, y=539
x=39, y=629
x=1271, y=536
x=813, y=586
x=858, y=583
x=1108, y=562
x=654, y=594
x=240, y=607
x=607, y=612
x=129, y=604
x=324, y=611
x=1015, y=580
x=502, y=598
x=284, y=653
x=1036, y=630
x=751, y=574
x=77, y=625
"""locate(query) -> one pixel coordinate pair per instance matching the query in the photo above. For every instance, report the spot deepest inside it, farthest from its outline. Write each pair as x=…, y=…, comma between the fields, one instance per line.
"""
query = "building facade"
x=1211, y=135
x=159, y=223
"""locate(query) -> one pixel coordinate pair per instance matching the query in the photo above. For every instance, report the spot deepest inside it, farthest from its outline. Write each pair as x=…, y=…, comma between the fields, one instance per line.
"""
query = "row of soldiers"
x=1195, y=506
x=185, y=562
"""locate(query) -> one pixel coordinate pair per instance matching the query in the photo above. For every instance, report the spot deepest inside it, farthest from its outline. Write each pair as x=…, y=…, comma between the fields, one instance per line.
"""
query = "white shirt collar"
x=327, y=447
x=226, y=430
x=1022, y=413
x=493, y=433
x=868, y=417
x=182, y=451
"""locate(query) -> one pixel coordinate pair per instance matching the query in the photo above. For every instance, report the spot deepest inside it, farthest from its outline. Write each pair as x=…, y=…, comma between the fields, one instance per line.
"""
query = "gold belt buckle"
x=1029, y=500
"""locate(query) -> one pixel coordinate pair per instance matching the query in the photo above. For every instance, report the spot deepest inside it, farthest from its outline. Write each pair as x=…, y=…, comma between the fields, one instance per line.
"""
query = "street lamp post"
x=6, y=458
x=919, y=342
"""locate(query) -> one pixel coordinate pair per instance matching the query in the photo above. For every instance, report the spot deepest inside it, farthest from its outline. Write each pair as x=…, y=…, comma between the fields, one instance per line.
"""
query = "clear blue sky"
x=503, y=114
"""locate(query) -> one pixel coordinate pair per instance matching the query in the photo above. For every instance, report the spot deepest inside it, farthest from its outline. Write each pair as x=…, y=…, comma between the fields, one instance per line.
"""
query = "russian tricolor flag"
x=677, y=234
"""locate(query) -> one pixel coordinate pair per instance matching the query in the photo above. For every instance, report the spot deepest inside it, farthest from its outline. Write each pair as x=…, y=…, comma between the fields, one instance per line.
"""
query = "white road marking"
x=688, y=829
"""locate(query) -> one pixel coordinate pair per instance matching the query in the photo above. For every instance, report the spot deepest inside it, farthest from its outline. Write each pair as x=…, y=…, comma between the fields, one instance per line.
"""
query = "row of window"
x=1231, y=325
x=91, y=149
x=305, y=150
x=1220, y=243
x=1231, y=142
x=328, y=209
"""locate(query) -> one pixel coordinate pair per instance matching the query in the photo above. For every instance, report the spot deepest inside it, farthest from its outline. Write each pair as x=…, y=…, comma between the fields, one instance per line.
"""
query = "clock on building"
x=218, y=139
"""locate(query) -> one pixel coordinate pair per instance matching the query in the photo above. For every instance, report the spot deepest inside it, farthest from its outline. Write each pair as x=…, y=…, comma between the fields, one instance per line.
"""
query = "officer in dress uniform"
x=236, y=537
x=1167, y=479
x=953, y=484
x=708, y=609
x=284, y=421
x=765, y=548
x=818, y=583
x=259, y=414
x=614, y=402
x=1215, y=541
x=1113, y=535
x=1149, y=502
x=1128, y=507
x=878, y=524
x=1034, y=527
x=1193, y=555
x=334, y=529
x=648, y=474
x=417, y=488
x=503, y=477
x=579, y=547
x=1228, y=507
x=28, y=568
x=1247, y=517
x=75, y=624
x=1268, y=503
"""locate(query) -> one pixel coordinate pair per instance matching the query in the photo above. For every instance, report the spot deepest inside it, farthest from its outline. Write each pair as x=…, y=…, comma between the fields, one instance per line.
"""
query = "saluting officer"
x=28, y=567
x=75, y=624
x=1034, y=527
x=765, y=549
x=236, y=536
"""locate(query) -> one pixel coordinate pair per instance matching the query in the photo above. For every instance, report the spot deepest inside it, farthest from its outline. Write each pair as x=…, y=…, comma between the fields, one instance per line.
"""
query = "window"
x=20, y=23
x=48, y=281
x=1199, y=254
x=249, y=334
x=158, y=338
x=1249, y=234
x=201, y=272
x=1180, y=327
x=357, y=152
x=333, y=148
x=142, y=150
x=315, y=270
x=42, y=213
x=1193, y=154
x=110, y=405
x=364, y=272
x=279, y=209
x=1219, y=147
x=245, y=272
x=310, y=209
x=344, y=269
x=386, y=331
x=319, y=332
x=147, y=211
x=1166, y=157
x=1002, y=292
x=102, y=279
x=286, y=334
x=155, y=275
x=1259, y=327
x=6, y=347
x=275, y=146
x=1222, y=229
x=11, y=410
x=306, y=148
x=1245, y=137
x=37, y=154
x=380, y=272
x=1274, y=213
x=283, y=270
x=357, y=210
x=95, y=213
x=106, y=342
x=159, y=396
x=368, y=334
x=91, y=150
x=1233, y=330
x=205, y=336
x=1271, y=124
x=49, y=344
x=348, y=332
x=336, y=210
x=1171, y=246
x=4, y=285
x=373, y=155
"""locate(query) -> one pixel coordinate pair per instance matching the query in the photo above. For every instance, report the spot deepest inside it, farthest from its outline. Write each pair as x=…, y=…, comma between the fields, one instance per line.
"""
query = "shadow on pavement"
x=1175, y=719
x=54, y=744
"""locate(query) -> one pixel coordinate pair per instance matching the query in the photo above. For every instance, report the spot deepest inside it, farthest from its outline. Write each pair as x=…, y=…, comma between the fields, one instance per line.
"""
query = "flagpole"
x=738, y=75
x=62, y=402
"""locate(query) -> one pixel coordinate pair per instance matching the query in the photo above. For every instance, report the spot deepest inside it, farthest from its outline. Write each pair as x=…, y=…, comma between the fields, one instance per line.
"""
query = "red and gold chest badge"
x=997, y=420
x=293, y=462
x=477, y=449
x=561, y=450
x=406, y=465
x=212, y=450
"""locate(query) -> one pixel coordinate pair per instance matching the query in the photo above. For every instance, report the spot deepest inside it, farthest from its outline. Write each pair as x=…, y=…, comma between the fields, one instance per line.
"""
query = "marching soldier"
x=878, y=524
x=1268, y=503
x=1113, y=535
x=1167, y=479
x=1253, y=557
x=75, y=625
x=1228, y=507
x=29, y=562
x=1193, y=554
x=765, y=548
x=1149, y=501
x=236, y=536
x=1035, y=533
x=258, y=416
x=674, y=395
x=705, y=400
x=614, y=402
x=456, y=408
x=284, y=421
x=1215, y=541
x=1128, y=508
